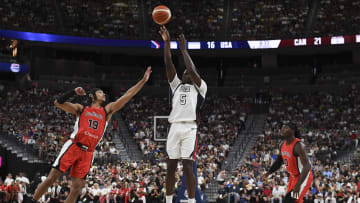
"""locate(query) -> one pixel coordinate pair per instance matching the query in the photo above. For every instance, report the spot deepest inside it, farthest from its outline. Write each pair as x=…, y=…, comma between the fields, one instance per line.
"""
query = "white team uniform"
x=181, y=140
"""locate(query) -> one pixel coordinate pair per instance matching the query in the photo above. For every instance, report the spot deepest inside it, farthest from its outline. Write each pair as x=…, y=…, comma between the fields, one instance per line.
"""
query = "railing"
x=124, y=139
x=25, y=148
x=245, y=139
x=126, y=144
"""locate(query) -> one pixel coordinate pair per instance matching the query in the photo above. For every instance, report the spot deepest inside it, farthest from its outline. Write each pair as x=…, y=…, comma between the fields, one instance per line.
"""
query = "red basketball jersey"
x=293, y=163
x=90, y=127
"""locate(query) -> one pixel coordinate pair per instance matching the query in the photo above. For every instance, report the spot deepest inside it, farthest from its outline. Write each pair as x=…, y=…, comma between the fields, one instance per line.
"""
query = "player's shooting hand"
x=147, y=74
x=80, y=91
x=164, y=34
x=182, y=42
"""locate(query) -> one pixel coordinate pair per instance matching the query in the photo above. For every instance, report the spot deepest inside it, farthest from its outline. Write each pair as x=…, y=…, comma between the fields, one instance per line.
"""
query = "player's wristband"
x=66, y=96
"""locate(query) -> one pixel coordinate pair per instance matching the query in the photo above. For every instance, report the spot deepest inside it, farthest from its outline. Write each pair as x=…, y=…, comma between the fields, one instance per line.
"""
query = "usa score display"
x=197, y=45
x=267, y=44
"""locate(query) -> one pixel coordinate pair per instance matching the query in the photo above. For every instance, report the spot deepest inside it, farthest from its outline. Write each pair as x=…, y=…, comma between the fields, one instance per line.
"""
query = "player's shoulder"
x=299, y=143
x=83, y=109
x=202, y=83
x=176, y=79
x=298, y=147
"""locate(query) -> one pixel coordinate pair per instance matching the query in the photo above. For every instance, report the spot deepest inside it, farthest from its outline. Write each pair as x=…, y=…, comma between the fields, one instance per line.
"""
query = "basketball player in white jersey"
x=181, y=142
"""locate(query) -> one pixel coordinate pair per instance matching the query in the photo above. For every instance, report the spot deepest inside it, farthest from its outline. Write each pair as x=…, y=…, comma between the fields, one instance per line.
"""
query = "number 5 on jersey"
x=182, y=99
x=93, y=124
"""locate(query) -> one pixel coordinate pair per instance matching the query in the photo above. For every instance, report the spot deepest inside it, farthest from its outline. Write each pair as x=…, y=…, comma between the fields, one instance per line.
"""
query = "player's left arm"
x=113, y=107
x=189, y=64
x=276, y=165
x=299, y=151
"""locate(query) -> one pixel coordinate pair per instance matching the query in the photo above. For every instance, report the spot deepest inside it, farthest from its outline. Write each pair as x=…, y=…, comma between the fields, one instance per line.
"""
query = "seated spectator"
x=257, y=19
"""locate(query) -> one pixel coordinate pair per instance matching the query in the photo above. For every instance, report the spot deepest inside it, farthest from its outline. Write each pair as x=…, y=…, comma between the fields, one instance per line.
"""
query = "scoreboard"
x=199, y=45
x=265, y=44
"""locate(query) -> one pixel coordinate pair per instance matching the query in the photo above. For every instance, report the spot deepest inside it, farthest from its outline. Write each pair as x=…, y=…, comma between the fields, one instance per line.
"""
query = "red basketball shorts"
x=304, y=186
x=73, y=156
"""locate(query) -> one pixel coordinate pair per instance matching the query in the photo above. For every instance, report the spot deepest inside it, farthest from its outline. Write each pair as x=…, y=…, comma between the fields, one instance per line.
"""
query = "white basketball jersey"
x=185, y=100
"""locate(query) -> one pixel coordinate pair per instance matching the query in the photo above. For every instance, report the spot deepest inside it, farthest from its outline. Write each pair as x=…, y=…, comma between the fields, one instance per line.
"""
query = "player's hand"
x=295, y=192
x=182, y=42
x=80, y=91
x=164, y=34
x=147, y=74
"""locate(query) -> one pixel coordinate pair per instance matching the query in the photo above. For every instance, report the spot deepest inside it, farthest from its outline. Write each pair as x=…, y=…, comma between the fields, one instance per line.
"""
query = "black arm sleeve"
x=66, y=96
x=276, y=165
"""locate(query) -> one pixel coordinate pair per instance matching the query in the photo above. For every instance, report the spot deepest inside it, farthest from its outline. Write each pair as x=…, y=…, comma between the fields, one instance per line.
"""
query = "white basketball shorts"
x=181, y=142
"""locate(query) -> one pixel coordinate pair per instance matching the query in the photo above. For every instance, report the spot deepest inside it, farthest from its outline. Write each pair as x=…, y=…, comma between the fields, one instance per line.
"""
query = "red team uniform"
x=294, y=168
x=77, y=152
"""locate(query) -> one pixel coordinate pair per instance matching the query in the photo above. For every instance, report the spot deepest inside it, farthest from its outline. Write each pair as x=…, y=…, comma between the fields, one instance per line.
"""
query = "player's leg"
x=291, y=185
x=78, y=174
x=43, y=187
x=289, y=199
x=173, y=151
x=65, y=159
x=77, y=184
x=170, y=178
x=189, y=177
x=305, y=187
x=188, y=151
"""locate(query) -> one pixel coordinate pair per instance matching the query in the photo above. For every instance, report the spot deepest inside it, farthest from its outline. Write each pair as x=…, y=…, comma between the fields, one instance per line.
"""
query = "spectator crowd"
x=328, y=126
x=37, y=122
x=329, y=129
x=105, y=19
x=336, y=18
x=220, y=122
x=199, y=20
x=28, y=15
x=268, y=19
x=31, y=117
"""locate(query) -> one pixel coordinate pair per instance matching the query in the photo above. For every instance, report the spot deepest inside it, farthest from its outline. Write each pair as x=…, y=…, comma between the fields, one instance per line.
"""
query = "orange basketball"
x=161, y=15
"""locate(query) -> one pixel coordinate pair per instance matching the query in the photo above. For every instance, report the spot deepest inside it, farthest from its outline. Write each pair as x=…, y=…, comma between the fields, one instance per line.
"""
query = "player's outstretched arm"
x=67, y=106
x=300, y=151
x=130, y=93
x=170, y=68
x=195, y=77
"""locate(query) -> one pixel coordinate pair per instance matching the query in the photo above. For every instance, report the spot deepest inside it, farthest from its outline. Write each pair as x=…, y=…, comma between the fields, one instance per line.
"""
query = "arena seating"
x=223, y=113
x=38, y=128
x=199, y=20
x=31, y=117
x=316, y=114
x=267, y=19
x=336, y=18
x=108, y=19
x=328, y=126
x=29, y=15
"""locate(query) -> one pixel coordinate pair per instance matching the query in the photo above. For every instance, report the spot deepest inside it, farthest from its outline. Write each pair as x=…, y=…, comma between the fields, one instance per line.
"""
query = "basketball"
x=161, y=15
